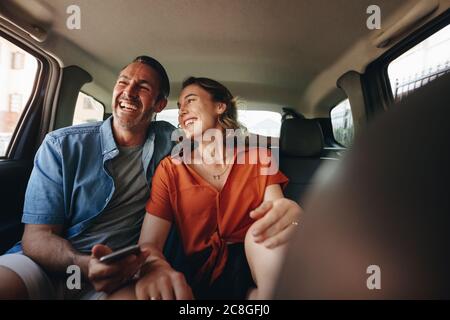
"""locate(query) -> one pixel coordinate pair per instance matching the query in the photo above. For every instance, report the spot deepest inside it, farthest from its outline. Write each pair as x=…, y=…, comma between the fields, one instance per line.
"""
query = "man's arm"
x=43, y=243
x=43, y=236
x=42, y=239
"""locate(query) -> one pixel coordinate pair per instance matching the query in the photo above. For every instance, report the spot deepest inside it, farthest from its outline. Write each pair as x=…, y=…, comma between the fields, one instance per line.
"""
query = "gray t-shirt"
x=119, y=225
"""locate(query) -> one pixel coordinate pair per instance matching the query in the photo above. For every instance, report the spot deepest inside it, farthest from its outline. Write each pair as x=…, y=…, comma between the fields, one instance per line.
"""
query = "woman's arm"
x=158, y=280
x=273, y=192
x=277, y=218
x=265, y=261
x=154, y=232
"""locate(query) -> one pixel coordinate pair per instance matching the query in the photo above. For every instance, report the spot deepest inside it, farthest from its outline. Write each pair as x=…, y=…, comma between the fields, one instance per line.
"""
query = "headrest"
x=301, y=138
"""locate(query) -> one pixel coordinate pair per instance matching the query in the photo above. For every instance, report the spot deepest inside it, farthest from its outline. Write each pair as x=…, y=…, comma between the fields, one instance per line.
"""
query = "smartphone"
x=122, y=253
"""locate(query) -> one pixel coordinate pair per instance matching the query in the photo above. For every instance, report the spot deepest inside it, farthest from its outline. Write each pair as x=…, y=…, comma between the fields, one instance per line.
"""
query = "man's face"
x=135, y=97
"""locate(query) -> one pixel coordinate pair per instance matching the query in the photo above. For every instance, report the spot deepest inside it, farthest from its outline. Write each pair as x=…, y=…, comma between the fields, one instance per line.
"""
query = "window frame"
x=376, y=85
x=36, y=97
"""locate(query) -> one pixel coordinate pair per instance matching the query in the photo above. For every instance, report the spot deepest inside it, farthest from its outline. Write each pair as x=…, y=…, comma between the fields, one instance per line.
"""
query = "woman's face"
x=197, y=111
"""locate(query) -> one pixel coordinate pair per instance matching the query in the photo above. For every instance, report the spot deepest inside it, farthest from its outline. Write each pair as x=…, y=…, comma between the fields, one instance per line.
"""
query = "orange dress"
x=204, y=216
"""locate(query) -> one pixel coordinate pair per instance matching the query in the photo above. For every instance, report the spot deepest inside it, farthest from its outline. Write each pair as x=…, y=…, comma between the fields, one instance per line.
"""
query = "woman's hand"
x=159, y=281
x=276, y=221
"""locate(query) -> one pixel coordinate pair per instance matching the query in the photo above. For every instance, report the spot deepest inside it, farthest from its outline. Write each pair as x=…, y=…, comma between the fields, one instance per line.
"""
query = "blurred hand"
x=276, y=221
x=108, y=277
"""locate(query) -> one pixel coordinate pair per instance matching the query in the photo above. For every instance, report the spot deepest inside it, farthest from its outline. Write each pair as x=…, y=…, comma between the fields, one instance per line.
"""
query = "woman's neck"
x=212, y=151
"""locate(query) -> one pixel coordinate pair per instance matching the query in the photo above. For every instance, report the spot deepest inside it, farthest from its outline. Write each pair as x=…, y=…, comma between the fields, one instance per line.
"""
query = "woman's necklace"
x=218, y=176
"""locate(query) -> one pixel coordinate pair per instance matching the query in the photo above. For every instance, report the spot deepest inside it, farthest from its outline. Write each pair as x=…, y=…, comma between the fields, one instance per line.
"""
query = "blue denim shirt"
x=70, y=184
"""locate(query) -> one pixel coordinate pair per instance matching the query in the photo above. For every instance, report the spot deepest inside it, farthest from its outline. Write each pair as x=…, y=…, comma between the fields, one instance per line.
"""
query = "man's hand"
x=160, y=282
x=276, y=221
x=109, y=277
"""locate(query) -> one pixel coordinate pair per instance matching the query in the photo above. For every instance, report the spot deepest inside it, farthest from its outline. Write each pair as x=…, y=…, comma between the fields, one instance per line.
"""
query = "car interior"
x=313, y=75
x=382, y=209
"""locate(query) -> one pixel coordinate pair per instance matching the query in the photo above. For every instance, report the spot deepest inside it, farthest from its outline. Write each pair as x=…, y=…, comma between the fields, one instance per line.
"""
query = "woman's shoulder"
x=170, y=162
x=173, y=165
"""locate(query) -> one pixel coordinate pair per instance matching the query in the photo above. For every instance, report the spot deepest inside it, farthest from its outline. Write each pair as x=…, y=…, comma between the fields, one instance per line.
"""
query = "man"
x=90, y=184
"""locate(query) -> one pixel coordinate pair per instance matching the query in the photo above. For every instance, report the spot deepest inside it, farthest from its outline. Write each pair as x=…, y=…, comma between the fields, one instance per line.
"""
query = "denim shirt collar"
x=109, y=146
x=107, y=141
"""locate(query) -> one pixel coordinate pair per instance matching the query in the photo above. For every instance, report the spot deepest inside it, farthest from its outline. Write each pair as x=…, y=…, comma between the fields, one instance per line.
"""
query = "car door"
x=24, y=76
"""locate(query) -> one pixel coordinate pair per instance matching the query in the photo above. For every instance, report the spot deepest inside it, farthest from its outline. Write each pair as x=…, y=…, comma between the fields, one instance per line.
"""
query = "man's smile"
x=127, y=106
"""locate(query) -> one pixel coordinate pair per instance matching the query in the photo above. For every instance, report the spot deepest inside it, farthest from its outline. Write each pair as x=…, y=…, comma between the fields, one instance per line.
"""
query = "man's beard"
x=128, y=124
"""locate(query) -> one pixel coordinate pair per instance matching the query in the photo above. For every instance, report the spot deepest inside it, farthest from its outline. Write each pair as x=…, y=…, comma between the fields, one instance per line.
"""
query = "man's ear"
x=221, y=107
x=160, y=105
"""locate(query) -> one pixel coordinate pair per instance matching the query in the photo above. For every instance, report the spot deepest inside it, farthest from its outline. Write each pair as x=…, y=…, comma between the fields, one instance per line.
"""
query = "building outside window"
x=15, y=102
x=17, y=60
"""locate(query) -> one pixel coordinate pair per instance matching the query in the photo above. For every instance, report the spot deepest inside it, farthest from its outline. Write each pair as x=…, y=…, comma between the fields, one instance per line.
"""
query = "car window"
x=421, y=64
x=342, y=122
x=87, y=109
x=169, y=115
x=267, y=123
x=18, y=70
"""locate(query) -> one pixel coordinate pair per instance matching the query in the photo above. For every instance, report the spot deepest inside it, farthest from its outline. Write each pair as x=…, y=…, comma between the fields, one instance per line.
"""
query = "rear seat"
x=301, y=153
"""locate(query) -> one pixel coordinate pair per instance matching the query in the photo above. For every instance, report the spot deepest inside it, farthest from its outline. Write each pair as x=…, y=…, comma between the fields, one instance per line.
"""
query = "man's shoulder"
x=163, y=131
x=76, y=130
x=162, y=127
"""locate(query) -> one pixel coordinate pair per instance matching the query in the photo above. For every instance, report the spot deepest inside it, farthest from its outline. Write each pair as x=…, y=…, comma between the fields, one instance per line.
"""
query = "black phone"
x=122, y=253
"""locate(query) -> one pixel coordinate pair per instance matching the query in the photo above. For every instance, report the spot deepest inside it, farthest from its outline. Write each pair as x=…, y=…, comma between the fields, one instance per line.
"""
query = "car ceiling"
x=271, y=53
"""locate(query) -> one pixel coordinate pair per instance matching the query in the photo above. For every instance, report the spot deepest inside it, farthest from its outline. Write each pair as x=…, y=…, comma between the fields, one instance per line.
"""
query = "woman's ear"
x=221, y=108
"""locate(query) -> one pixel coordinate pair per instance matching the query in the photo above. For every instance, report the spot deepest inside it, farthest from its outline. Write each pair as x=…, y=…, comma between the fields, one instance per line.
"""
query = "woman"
x=210, y=198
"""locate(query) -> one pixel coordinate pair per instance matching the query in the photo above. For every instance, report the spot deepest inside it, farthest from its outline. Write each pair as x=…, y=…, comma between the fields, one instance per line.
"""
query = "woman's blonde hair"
x=219, y=93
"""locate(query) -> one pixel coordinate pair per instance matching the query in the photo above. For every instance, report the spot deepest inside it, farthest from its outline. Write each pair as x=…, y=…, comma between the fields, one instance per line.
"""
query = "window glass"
x=87, y=109
x=18, y=71
x=342, y=122
x=18, y=60
x=169, y=115
x=421, y=64
x=266, y=123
